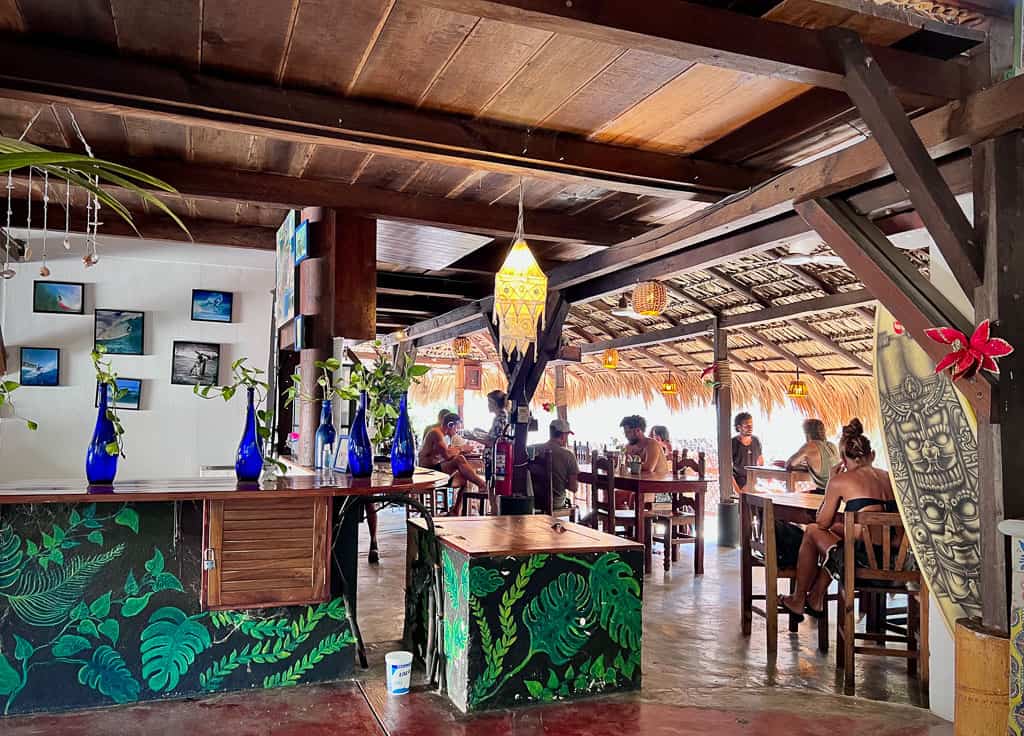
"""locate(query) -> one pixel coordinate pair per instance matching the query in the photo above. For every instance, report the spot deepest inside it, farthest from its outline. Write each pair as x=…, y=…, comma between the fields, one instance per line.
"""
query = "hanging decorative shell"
x=44, y=271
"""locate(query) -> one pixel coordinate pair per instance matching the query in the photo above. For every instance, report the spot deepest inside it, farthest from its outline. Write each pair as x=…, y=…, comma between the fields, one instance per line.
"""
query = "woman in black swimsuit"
x=863, y=488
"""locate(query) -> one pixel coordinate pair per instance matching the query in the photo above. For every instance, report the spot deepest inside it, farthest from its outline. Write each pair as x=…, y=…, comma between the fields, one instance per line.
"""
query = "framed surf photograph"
x=301, y=242
x=212, y=306
x=132, y=398
x=120, y=331
x=58, y=297
x=195, y=363
x=40, y=367
x=285, y=275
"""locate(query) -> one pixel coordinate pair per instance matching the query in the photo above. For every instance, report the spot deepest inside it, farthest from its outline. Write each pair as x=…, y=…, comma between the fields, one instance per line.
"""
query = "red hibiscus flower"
x=969, y=356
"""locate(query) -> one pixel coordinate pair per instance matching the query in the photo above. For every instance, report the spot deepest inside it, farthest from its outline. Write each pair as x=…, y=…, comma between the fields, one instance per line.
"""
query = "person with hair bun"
x=861, y=487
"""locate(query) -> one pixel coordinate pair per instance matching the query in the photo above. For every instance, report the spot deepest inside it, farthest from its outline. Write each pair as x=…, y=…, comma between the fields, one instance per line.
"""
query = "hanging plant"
x=969, y=356
x=7, y=389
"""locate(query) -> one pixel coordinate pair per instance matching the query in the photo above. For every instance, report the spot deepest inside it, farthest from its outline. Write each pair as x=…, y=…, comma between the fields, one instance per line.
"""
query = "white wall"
x=174, y=432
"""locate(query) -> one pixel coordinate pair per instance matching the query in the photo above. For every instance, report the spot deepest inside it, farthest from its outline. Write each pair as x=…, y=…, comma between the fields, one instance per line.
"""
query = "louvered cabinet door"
x=258, y=553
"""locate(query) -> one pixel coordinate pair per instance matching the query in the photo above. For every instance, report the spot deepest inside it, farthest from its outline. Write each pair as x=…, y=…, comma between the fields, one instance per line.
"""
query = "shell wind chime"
x=520, y=294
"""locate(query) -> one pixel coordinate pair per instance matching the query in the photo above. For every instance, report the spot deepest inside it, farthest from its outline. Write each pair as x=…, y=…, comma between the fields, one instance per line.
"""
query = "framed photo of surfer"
x=58, y=297
x=195, y=363
x=212, y=306
x=120, y=331
x=301, y=242
x=132, y=398
x=40, y=367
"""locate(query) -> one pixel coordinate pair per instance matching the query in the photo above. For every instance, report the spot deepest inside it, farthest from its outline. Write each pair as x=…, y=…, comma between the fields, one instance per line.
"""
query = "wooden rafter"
x=145, y=90
x=892, y=130
x=827, y=342
x=716, y=38
x=783, y=352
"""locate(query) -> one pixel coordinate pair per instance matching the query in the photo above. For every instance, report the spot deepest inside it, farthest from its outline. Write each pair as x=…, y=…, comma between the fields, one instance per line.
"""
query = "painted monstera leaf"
x=617, y=599
x=484, y=581
x=46, y=597
x=455, y=580
x=559, y=618
x=10, y=557
x=108, y=673
x=170, y=644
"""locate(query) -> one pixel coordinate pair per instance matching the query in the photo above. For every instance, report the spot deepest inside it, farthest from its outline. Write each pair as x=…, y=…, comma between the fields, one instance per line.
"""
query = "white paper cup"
x=399, y=671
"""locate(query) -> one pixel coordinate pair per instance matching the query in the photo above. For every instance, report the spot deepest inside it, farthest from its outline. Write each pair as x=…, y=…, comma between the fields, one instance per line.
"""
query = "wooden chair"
x=543, y=488
x=602, y=501
x=764, y=553
x=677, y=516
x=886, y=569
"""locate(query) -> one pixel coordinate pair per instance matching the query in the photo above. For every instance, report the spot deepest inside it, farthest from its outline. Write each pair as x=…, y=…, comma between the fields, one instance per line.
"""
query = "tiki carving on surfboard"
x=931, y=440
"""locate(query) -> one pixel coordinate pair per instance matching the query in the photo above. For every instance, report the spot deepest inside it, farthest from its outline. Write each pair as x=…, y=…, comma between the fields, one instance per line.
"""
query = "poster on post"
x=286, y=270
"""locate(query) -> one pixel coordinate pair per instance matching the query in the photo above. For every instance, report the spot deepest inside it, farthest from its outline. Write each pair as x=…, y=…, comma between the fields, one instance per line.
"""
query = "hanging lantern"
x=610, y=359
x=650, y=298
x=797, y=389
x=520, y=293
x=462, y=347
x=669, y=387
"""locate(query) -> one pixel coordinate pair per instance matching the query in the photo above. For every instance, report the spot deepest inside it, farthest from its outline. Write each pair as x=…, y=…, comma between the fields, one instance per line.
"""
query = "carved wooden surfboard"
x=931, y=439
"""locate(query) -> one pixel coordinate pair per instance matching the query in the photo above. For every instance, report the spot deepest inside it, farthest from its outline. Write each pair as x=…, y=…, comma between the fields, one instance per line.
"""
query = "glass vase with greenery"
x=105, y=376
x=250, y=379
x=384, y=385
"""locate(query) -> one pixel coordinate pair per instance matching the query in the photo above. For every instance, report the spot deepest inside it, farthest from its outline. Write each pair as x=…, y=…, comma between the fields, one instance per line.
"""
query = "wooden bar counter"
x=172, y=588
x=534, y=609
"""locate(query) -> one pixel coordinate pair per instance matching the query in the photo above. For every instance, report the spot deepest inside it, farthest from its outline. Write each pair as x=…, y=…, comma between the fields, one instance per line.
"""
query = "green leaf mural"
x=451, y=577
x=110, y=629
x=617, y=600
x=128, y=517
x=483, y=581
x=10, y=557
x=9, y=677
x=69, y=645
x=107, y=673
x=330, y=644
x=559, y=618
x=135, y=605
x=45, y=597
x=170, y=644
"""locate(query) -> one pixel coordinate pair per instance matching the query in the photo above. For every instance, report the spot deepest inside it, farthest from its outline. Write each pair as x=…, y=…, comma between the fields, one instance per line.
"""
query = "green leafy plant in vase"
x=329, y=388
x=251, y=460
x=384, y=385
x=107, y=444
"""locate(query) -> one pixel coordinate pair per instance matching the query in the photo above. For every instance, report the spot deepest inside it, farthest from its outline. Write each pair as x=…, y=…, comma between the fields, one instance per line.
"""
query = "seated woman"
x=817, y=454
x=437, y=455
x=863, y=488
x=659, y=433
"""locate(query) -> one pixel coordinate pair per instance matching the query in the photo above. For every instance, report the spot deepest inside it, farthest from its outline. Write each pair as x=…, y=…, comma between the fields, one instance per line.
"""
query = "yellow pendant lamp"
x=610, y=359
x=462, y=347
x=650, y=298
x=797, y=388
x=520, y=294
x=669, y=386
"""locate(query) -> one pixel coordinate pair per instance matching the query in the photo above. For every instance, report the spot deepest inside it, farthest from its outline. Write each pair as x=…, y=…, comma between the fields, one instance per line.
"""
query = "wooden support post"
x=460, y=387
x=560, y=393
x=999, y=203
x=723, y=415
x=910, y=160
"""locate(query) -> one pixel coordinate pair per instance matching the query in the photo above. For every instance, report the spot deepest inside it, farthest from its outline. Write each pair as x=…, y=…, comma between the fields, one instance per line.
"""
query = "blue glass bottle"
x=249, y=461
x=360, y=451
x=100, y=466
x=403, y=445
x=325, y=438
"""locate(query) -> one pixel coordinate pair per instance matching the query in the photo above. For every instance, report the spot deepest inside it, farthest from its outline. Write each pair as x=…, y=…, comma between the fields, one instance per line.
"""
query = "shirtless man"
x=437, y=455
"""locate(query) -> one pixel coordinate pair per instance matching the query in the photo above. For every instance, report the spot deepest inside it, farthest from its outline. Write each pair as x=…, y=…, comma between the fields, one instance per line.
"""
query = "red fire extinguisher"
x=503, y=460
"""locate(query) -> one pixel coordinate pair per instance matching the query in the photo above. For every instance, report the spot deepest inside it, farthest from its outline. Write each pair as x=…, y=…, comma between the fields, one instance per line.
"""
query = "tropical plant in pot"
x=107, y=444
x=329, y=388
x=250, y=458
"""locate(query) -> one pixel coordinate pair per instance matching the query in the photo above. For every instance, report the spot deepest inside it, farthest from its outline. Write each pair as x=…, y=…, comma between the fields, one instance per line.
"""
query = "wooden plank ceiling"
x=424, y=58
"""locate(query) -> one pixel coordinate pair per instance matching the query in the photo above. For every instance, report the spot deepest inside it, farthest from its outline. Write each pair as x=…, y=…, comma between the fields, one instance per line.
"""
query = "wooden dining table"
x=642, y=485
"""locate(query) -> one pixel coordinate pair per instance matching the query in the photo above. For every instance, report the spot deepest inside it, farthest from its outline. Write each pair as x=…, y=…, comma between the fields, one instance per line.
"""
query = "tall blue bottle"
x=360, y=451
x=325, y=438
x=249, y=460
x=101, y=467
x=403, y=446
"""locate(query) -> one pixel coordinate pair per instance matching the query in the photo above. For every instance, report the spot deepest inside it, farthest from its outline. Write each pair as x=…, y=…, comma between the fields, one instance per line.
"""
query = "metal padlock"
x=209, y=559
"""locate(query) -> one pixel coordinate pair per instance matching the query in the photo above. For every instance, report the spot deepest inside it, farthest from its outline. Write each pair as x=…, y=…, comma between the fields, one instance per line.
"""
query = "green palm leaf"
x=78, y=170
x=108, y=673
x=559, y=618
x=45, y=597
x=484, y=581
x=617, y=598
x=170, y=644
x=10, y=557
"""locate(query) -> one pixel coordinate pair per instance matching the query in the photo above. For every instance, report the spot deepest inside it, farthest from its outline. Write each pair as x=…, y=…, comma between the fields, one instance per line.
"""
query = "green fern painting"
x=105, y=596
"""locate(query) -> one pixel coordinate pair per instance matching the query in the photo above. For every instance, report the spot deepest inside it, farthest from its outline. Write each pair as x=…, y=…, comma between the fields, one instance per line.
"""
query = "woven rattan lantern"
x=650, y=298
x=462, y=347
x=669, y=387
x=797, y=389
x=610, y=359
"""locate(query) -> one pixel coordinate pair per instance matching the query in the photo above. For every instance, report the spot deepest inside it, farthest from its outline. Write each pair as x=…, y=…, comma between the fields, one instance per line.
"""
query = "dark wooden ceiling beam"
x=142, y=89
x=410, y=284
x=990, y=112
x=422, y=305
x=913, y=166
x=716, y=38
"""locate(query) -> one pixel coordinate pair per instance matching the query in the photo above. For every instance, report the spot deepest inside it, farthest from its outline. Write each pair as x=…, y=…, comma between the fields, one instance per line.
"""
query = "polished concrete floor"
x=701, y=678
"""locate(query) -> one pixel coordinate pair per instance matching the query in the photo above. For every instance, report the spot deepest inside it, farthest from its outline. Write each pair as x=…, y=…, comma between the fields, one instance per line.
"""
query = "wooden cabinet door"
x=258, y=554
